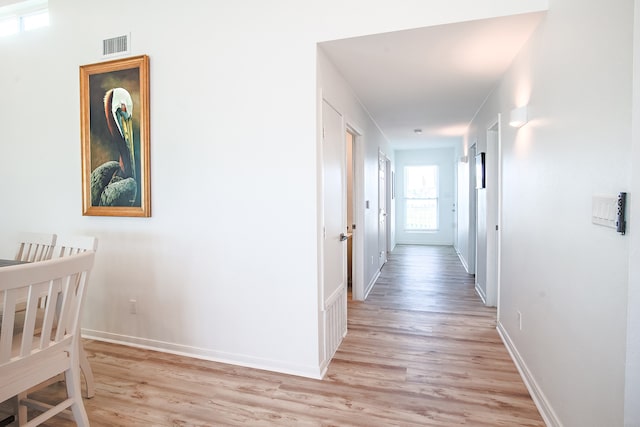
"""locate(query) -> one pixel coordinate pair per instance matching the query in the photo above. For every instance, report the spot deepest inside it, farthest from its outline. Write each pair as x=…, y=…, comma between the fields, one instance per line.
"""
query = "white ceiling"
x=433, y=78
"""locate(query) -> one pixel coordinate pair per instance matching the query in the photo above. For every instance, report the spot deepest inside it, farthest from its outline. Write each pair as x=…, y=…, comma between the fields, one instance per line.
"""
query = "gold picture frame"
x=114, y=122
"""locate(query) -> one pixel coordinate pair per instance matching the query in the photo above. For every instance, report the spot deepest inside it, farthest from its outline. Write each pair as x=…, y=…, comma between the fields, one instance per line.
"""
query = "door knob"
x=343, y=237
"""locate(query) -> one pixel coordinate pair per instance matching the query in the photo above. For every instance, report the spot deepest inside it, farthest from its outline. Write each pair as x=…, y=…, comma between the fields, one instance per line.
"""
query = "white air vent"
x=114, y=46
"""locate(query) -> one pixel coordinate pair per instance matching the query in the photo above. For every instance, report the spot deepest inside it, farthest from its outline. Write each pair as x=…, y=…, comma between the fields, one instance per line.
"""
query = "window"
x=35, y=20
x=22, y=16
x=9, y=26
x=421, y=198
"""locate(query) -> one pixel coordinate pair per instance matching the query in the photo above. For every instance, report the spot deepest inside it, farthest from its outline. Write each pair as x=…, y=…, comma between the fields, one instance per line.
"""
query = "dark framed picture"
x=481, y=171
x=114, y=122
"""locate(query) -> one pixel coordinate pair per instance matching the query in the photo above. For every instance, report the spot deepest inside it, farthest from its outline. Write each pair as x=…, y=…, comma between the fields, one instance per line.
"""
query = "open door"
x=382, y=210
x=493, y=213
x=334, y=287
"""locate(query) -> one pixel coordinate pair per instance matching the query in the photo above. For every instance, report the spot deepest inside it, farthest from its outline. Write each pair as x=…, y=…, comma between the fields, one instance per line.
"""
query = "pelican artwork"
x=113, y=183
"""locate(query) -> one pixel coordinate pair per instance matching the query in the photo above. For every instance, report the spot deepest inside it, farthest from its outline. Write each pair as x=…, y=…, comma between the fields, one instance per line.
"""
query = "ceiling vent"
x=116, y=46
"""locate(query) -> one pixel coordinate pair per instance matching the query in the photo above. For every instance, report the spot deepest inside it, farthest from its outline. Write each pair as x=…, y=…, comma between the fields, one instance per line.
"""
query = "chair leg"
x=85, y=367
x=72, y=380
x=21, y=409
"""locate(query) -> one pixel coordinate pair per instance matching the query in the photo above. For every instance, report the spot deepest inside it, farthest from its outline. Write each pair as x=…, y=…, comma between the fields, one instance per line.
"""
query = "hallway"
x=428, y=347
x=420, y=351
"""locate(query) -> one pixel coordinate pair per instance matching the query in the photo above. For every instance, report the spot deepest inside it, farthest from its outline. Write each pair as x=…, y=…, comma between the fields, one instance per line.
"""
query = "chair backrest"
x=35, y=246
x=49, y=346
x=69, y=245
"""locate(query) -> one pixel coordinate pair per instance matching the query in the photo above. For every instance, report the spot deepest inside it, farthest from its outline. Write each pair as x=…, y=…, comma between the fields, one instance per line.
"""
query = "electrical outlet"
x=371, y=259
x=132, y=307
x=519, y=320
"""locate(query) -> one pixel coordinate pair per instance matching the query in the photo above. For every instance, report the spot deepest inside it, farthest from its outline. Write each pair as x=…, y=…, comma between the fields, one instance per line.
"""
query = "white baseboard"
x=481, y=294
x=544, y=407
x=463, y=261
x=315, y=372
x=370, y=285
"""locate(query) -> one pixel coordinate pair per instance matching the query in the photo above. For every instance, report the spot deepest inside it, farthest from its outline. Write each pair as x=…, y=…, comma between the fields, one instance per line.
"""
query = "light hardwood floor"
x=421, y=351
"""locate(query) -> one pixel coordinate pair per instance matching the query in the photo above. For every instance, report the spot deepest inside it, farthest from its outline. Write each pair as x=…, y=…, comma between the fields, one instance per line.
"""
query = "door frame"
x=357, y=281
x=383, y=158
x=390, y=199
x=494, y=210
x=473, y=215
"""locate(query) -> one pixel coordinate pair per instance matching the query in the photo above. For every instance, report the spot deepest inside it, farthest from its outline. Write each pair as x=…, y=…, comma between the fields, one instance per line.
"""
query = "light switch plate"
x=604, y=210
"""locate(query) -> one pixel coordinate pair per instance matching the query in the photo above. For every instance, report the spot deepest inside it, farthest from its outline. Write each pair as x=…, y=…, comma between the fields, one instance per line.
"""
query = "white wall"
x=632, y=383
x=233, y=164
x=444, y=158
x=565, y=275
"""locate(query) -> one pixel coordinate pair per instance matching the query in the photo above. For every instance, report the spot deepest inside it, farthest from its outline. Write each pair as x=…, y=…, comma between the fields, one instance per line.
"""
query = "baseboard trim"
x=542, y=403
x=463, y=261
x=315, y=372
x=370, y=285
x=481, y=294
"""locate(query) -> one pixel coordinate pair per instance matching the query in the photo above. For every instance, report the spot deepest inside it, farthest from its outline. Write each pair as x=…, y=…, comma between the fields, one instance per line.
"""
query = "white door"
x=481, y=241
x=334, y=190
x=472, y=209
x=382, y=210
x=493, y=214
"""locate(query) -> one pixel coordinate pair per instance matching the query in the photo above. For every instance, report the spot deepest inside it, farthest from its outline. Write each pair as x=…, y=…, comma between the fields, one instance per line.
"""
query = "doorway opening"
x=383, y=203
x=350, y=145
x=494, y=181
x=355, y=211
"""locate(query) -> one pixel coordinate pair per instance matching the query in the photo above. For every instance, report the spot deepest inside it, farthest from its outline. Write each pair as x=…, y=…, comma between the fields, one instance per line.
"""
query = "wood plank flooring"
x=421, y=351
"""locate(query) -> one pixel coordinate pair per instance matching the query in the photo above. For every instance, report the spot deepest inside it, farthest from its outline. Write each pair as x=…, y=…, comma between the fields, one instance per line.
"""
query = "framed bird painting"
x=114, y=121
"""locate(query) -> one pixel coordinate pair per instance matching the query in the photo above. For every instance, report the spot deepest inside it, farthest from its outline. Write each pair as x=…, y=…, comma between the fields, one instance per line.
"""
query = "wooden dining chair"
x=70, y=245
x=48, y=347
x=35, y=246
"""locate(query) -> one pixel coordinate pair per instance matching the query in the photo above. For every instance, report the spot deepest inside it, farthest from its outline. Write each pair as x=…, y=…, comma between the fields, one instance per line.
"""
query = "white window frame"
x=20, y=12
x=407, y=199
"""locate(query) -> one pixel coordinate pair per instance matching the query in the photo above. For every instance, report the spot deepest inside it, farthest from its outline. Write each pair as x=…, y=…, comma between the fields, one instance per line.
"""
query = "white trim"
x=370, y=285
x=542, y=403
x=358, y=244
x=481, y=294
x=315, y=372
x=493, y=214
x=333, y=297
x=462, y=260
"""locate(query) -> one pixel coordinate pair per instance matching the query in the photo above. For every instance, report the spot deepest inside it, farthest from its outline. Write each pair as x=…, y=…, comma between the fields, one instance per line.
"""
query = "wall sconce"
x=519, y=117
